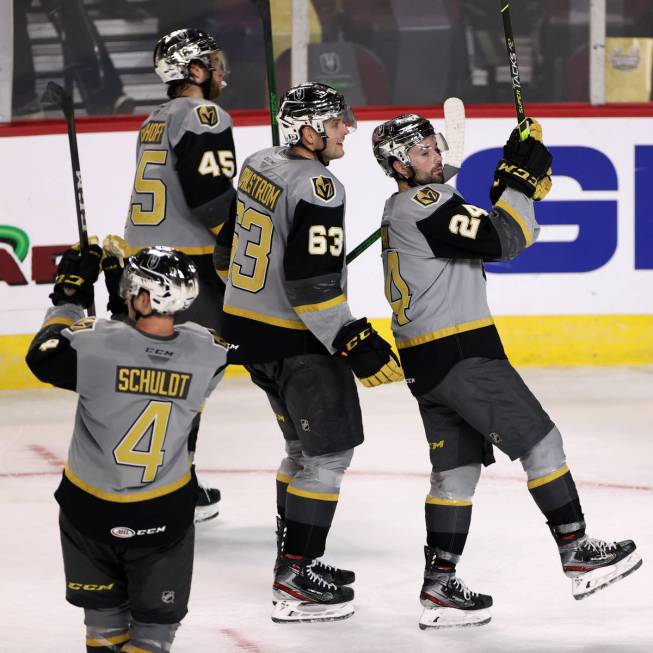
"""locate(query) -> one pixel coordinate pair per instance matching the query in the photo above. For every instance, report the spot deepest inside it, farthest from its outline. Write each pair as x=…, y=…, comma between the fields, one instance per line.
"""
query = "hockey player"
x=127, y=494
x=183, y=191
x=469, y=396
x=286, y=308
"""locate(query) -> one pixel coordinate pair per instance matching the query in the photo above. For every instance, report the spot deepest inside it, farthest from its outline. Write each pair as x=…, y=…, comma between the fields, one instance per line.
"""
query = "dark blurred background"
x=379, y=52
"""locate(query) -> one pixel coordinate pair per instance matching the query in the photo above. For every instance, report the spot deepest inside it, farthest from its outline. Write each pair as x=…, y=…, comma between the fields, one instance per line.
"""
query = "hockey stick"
x=266, y=19
x=57, y=96
x=454, y=129
x=522, y=123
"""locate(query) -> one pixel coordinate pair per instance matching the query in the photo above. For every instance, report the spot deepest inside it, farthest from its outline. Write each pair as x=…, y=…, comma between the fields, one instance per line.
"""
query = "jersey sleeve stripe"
x=321, y=306
x=60, y=319
x=126, y=498
x=507, y=208
x=217, y=229
x=267, y=319
x=447, y=331
x=191, y=251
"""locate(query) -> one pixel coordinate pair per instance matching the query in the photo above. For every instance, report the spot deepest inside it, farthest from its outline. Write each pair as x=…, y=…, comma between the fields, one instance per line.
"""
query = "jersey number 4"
x=152, y=423
x=396, y=289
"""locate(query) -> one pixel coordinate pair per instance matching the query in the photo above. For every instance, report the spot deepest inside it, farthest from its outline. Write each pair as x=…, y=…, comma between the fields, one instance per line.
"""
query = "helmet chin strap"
x=411, y=181
x=318, y=153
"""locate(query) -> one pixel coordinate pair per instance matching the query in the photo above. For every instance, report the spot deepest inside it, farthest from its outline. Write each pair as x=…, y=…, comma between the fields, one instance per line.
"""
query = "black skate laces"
x=318, y=578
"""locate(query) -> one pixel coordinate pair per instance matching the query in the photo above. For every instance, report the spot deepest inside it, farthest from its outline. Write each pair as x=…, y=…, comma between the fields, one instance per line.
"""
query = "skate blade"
x=285, y=612
x=593, y=581
x=433, y=618
x=204, y=513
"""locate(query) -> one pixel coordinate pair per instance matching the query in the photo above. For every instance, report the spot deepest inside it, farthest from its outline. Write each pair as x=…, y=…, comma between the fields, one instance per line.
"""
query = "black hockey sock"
x=557, y=498
x=447, y=527
x=305, y=540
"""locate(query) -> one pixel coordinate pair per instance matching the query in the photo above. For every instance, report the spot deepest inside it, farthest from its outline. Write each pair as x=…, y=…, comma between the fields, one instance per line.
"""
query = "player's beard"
x=432, y=177
x=215, y=89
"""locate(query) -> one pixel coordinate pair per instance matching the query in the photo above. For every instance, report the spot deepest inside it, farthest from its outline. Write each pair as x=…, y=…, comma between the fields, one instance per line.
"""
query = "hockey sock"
x=556, y=496
x=305, y=540
x=447, y=526
x=282, y=488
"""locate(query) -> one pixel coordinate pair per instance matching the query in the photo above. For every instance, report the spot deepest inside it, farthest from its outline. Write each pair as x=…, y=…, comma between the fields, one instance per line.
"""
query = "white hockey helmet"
x=392, y=139
x=175, y=51
x=169, y=276
x=311, y=105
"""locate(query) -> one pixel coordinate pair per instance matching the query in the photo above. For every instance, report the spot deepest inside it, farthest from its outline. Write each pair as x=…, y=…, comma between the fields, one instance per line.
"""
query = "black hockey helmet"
x=175, y=51
x=392, y=139
x=169, y=276
x=311, y=105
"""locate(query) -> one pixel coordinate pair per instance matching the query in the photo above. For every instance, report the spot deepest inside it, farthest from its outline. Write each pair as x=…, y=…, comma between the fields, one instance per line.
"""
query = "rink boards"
x=580, y=295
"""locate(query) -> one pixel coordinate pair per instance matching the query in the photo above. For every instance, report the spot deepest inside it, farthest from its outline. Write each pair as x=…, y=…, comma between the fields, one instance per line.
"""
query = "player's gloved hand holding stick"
x=370, y=356
x=114, y=250
x=77, y=271
x=525, y=166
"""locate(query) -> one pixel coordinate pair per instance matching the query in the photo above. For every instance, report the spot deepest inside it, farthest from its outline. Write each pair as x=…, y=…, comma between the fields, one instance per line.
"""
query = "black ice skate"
x=594, y=564
x=207, y=505
x=330, y=573
x=301, y=594
x=447, y=601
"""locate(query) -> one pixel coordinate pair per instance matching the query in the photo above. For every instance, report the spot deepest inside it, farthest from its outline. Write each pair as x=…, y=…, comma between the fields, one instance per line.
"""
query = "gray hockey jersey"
x=286, y=289
x=185, y=162
x=140, y=399
x=434, y=245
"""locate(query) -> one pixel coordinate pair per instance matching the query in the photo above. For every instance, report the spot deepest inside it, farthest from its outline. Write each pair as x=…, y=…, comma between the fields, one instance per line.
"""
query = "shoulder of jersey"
x=424, y=200
x=85, y=325
x=312, y=182
x=206, y=334
x=204, y=115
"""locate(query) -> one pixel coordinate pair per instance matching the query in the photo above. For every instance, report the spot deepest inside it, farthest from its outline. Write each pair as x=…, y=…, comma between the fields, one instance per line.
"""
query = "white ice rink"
x=606, y=418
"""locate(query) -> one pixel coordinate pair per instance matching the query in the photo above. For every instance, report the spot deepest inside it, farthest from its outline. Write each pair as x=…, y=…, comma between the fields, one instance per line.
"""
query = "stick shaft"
x=359, y=249
x=55, y=94
x=513, y=67
x=266, y=19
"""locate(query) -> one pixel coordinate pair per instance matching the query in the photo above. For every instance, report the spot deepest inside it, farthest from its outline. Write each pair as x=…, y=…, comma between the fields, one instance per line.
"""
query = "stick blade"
x=454, y=129
x=55, y=95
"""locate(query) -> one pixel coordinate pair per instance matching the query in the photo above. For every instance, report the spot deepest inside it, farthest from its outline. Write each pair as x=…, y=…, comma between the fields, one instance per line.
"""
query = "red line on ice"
x=46, y=455
x=599, y=485
x=242, y=643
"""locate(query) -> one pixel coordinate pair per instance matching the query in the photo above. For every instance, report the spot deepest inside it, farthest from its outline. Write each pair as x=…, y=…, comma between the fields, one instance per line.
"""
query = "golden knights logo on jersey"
x=208, y=115
x=426, y=196
x=324, y=188
x=83, y=324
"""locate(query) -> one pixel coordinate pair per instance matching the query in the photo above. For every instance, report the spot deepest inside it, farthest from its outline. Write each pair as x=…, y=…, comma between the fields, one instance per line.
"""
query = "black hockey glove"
x=370, y=356
x=76, y=273
x=113, y=262
x=524, y=163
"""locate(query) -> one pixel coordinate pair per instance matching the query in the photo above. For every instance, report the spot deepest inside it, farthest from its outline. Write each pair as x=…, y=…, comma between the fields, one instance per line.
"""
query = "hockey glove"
x=76, y=273
x=543, y=186
x=524, y=163
x=114, y=250
x=370, y=356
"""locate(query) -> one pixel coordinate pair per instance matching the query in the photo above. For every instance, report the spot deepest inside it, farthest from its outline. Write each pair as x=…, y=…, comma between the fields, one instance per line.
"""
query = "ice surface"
x=604, y=414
